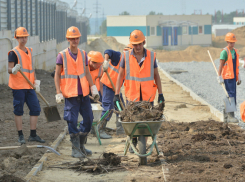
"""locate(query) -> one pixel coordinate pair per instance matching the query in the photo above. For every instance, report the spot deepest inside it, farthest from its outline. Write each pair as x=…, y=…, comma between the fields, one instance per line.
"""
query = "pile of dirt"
x=99, y=45
x=109, y=162
x=10, y=178
x=142, y=111
x=203, y=151
x=191, y=53
x=219, y=41
x=112, y=42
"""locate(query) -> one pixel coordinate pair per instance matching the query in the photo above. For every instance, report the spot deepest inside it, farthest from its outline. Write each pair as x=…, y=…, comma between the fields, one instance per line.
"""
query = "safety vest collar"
x=128, y=77
x=20, y=60
x=65, y=65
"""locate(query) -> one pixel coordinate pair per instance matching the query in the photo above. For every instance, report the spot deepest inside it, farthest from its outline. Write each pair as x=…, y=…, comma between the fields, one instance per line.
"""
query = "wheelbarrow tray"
x=154, y=126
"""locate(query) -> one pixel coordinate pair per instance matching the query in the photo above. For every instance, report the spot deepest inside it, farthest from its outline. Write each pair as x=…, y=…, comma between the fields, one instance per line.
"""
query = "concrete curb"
x=213, y=110
x=38, y=167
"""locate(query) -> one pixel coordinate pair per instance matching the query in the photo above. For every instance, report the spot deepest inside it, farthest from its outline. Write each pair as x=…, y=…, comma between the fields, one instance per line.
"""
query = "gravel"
x=202, y=79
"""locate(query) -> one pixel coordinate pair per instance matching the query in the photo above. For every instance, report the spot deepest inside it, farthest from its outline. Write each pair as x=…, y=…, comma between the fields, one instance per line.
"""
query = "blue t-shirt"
x=12, y=57
x=114, y=56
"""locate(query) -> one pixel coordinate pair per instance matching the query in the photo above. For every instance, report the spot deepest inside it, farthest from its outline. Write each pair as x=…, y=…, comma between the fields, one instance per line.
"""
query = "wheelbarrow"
x=141, y=129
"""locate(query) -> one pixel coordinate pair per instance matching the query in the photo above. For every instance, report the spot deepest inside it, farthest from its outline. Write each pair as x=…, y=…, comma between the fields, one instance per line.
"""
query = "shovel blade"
x=230, y=104
x=49, y=148
x=51, y=113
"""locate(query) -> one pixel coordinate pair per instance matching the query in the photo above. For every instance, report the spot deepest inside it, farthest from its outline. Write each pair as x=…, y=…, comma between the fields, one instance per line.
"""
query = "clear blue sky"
x=167, y=7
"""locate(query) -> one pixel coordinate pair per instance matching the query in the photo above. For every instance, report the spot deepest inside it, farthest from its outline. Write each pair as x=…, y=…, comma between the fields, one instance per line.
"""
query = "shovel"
x=230, y=104
x=31, y=146
x=51, y=112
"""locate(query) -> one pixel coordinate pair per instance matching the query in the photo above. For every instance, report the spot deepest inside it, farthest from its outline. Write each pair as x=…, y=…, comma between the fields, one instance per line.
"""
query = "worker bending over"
x=139, y=69
x=20, y=58
x=73, y=82
x=229, y=72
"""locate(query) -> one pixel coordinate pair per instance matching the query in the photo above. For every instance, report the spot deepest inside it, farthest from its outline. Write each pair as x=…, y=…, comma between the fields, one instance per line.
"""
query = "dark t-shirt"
x=12, y=57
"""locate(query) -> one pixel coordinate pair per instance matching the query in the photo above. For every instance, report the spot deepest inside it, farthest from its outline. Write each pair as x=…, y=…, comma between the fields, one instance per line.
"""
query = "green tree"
x=124, y=13
x=154, y=13
x=227, y=18
x=103, y=28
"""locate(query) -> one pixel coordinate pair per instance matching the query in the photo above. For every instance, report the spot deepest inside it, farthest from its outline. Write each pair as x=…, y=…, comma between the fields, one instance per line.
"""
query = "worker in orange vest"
x=111, y=65
x=229, y=72
x=95, y=61
x=20, y=58
x=73, y=82
x=139, y=69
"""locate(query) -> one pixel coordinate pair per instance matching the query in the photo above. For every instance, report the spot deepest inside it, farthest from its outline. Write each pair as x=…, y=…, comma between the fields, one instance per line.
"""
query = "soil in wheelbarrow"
x=203, y=151
x=142, y=111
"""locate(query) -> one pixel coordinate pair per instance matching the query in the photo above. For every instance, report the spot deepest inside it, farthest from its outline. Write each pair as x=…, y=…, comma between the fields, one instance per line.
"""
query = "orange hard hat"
x=136, y=37
x=73, y=32
x=128, y=47
x=21, y=32
x=230, y=37
x=95, y=56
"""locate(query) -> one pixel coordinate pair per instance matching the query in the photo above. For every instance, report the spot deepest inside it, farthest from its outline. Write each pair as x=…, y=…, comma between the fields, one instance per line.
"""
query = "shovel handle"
x=46, y=102
x=223, y=86
x=96, y=101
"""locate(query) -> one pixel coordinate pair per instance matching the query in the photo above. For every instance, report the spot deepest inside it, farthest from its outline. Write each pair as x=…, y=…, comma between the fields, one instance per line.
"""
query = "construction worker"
x=229, y=72
x=242, y=111
x=73, y=83
x=110, y=65
x=139, y=69
x=20, y=58
x=95, y=61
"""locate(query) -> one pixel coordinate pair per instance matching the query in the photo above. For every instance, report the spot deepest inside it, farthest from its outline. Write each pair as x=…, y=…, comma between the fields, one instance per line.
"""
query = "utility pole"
x=96, y=20
x=183, y=7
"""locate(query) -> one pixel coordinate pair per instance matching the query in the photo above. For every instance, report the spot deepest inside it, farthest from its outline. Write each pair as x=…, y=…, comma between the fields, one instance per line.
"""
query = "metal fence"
x=39, y=18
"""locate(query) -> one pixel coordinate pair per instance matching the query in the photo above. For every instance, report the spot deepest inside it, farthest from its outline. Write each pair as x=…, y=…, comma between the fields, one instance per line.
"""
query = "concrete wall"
x=44, y=53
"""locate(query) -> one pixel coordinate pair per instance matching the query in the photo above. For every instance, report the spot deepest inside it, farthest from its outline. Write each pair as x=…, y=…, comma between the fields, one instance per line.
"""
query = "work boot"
x=119, y=126
x=21, y=139
x=231, y=118
x=225, y=116
x=75, y=140
x=36, y=138
x=134, y=141
x=103, y=134
x=83, y=138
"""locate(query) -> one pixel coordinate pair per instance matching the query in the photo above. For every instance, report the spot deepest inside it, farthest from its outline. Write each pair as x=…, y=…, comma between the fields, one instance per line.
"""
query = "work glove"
x=95, y=93
x=220, y=80
x=116, y=98
x=16, y=68
x=59, y=98
x=105, y=65
x=37, y=85
x=239, y=81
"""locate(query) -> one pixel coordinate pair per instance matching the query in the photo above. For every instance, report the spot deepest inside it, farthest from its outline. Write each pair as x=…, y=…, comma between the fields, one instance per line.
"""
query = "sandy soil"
x=19, y=162
x=179, y=118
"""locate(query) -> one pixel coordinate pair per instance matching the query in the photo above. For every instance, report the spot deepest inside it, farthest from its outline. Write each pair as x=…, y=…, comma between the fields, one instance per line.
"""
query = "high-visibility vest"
x=113, y=71
x=227, y=72
x=242, y=111
x=139, y=78
x=96, y=75
x=27, y=67
x=71, y=71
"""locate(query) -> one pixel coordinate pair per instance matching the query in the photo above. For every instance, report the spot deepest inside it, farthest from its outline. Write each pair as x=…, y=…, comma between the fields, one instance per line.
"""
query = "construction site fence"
x=40, y=18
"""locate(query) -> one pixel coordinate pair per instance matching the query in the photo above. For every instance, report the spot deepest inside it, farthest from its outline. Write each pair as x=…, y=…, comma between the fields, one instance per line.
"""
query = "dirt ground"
x=19, y=162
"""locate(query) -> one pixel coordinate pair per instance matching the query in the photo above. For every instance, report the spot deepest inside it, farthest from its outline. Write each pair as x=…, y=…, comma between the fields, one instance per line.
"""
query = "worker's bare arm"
x=89, y=77
x=57, y=78
x=10, y=67
x=221, y=65
x=158, y=80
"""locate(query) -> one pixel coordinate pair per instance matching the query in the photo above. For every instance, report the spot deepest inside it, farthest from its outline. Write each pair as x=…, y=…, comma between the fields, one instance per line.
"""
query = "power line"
x=97, y=9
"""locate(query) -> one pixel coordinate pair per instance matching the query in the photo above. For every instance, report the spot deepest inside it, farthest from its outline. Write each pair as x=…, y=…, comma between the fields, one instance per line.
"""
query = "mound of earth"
x=112, y=42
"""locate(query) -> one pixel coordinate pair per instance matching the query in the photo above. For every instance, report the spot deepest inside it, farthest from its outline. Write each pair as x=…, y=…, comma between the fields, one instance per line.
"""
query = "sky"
x=167, y=7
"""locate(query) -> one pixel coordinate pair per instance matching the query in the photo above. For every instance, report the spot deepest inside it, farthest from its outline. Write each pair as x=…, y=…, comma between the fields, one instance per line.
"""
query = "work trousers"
x=74, y=106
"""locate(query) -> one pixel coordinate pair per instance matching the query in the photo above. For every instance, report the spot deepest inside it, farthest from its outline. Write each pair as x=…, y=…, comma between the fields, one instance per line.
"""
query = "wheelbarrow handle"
x=46, y=102
x=96, y=101
x=118, y=106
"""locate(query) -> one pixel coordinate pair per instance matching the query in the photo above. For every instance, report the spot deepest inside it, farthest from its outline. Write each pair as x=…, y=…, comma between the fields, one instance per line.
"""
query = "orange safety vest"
x=113, y=71
x=227, y=72
x=26, y=61
x=96, y=75
x=139, y=78
x=242, y=111
x=70, y=72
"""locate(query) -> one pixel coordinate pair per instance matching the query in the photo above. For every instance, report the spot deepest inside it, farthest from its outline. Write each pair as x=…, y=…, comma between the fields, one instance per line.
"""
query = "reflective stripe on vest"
x=20, y=61
x=65, y=67
x=128, y=77
x=113, y=68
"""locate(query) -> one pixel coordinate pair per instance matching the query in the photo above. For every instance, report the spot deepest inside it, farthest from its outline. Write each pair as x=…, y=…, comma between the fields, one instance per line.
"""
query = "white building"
x=239, y=21
x=168, y=32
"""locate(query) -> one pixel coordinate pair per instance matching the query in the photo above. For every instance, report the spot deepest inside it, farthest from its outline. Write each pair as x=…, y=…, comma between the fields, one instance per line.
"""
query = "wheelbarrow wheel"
x=142, y=149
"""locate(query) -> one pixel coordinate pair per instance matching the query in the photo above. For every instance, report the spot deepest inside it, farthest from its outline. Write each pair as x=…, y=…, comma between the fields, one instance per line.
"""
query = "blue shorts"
x=29, y=96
